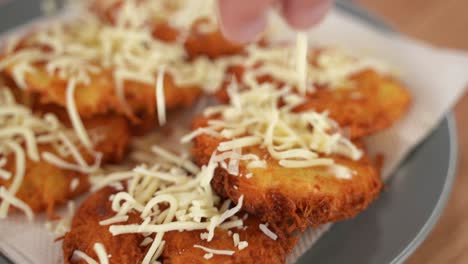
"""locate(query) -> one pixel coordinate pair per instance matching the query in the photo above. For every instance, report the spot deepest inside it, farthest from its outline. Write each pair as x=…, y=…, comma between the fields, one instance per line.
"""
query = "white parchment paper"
x=436, y=78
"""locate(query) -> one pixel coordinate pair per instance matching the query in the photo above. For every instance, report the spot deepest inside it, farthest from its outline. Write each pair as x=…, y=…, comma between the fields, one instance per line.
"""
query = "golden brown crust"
x=374, y=103
x=197, y=43
x=261, y=249
x=44, y=185
x=111, y=132
x=210, y=44
x=99, y=97
x=293, y=198
x=86, y=231
x=113, y=136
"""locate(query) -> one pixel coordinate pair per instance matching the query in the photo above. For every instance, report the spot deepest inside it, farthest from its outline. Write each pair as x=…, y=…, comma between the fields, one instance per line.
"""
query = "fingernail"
x=304, y=14
x=245, y=31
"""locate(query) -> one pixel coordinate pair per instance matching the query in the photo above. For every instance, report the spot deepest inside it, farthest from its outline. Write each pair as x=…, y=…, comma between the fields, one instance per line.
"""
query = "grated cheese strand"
x=264, y=228
x=74, y=115
x=101, y=253
x=22, y=134
x=215, y=251
x=114, y=219
x=78, y=254
x=301, y=61
x=261, y=115
x=160, y=99
x=7, y=197
x=20, y=171
x=184, y=201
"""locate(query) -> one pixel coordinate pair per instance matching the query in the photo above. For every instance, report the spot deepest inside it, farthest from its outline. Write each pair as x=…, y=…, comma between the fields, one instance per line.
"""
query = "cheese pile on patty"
x=171, y=194
x=21, y=135
x=263, y=116
x=179, y=14
x=329, y=67
x=77, y=50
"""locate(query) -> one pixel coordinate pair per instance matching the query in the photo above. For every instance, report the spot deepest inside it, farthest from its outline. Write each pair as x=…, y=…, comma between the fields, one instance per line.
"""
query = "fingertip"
x=245, y=32
x=241, y=21
x=302, y=14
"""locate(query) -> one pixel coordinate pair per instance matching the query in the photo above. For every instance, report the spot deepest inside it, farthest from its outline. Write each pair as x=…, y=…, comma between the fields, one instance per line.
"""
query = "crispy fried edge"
x=140, y=98
x=290, y=207
x=261, y=249
x=198, y=43
x=375, y=103
x=86, y=230
x=44, y=185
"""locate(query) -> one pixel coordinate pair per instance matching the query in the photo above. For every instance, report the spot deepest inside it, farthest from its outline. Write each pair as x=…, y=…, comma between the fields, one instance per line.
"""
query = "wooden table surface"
x=443, y=23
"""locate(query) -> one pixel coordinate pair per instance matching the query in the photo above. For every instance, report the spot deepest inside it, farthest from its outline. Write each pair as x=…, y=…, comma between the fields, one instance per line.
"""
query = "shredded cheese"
x=85, y=50
x=264, y=228
x=78, y=254
x=242, y=245
x=183, y=188
x=329, y=67
x=179, y=14
x=100, y=251
x=160, y=99
x=115, y=219
x=22, y=134
x=74, y=184
x=74, y=115
x=215, y=251
x=8, y=198
x=262, y=116
x=301, y=61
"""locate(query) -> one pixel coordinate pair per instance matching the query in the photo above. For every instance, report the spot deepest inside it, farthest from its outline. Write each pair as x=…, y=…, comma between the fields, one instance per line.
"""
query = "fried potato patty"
x=86, y=231
x=179, y=248
x=295, y=198
x=45, y=185
x=374, y=104
x=374, y=101
x=100, y=97
x=110, y=133
x=197, y=42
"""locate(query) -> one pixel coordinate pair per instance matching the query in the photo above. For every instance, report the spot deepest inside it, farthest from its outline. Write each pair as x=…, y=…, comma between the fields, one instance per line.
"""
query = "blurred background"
x=443, y=23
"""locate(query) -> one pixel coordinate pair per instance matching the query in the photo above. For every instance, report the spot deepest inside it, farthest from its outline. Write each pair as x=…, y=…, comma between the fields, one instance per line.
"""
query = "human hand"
x=243, y=20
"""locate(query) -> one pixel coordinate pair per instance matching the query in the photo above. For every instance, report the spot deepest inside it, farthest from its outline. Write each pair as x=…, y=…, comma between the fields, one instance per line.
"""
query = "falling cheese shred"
x=301, y=61
x=160, y=99
x=304, y=68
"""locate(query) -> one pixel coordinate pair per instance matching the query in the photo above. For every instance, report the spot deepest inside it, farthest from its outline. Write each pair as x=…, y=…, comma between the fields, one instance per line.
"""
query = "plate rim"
x=444, y=195
x=449, y=117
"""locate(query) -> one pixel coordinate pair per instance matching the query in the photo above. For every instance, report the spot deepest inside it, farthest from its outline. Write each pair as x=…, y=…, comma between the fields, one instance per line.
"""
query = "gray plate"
x=394, y=226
